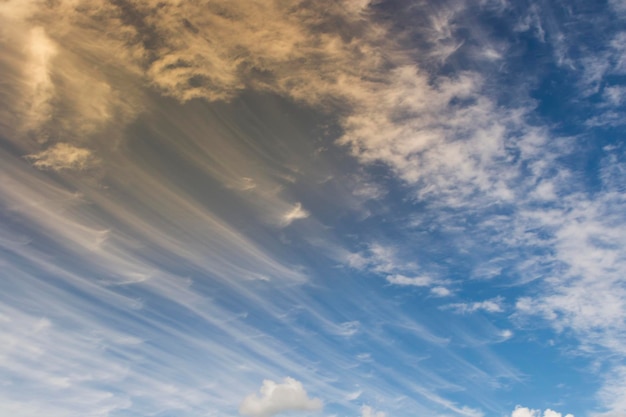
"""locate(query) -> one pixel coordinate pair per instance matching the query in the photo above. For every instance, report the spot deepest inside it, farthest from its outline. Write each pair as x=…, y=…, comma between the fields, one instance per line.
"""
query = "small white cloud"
x=277, y=398
x=367, y=411
x=63, y=156
x=440, y=291
x=297, y=212
x=419, y=281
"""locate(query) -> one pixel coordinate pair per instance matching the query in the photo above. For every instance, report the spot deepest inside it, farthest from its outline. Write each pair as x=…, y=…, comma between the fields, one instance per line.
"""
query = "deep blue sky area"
x=351, y=208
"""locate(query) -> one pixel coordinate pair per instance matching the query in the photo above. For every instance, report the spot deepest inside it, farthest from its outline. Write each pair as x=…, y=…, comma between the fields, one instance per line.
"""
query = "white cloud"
x=527, y=412
x=493, y=305
x=367, y=411
x=277, y=398
x=615, y=95
x=612, y=394
x=63, y=156
x=420, y=281
x=586, y=237
x=381, y=259
x=440, y=291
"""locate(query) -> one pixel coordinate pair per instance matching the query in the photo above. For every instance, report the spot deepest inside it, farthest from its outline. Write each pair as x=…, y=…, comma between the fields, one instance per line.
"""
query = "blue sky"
x=312, y=208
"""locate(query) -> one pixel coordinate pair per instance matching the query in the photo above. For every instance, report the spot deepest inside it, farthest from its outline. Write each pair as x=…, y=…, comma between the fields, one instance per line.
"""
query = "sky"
x=316, y=208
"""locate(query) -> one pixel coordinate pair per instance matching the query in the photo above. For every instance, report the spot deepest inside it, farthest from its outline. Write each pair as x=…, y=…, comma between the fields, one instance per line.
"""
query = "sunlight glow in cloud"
x=294, y=214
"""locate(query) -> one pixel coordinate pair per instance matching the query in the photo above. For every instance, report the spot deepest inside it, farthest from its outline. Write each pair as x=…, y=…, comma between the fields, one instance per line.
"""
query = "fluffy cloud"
x=367, y=411
x=277, y=398
x=527, y=412
x=63, y=156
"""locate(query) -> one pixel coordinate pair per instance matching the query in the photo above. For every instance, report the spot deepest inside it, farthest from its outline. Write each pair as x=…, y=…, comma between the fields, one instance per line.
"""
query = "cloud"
x=445, y=135
x=506, y=334
x=391, y=111
x=63, y=156
x=585, y=296
x=527, y=412
x=349, y=328
x=440, y=291
x=420, y=281
x=296, y=213
x=367, y=411
x=353, y=395
x=380, y=259
x=277, y=398
x=612, y=394
x=493, y=305
x=41, y=88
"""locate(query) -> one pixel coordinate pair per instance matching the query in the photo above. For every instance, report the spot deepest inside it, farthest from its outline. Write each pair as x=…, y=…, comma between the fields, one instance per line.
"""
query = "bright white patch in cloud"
x=63, y=156
x=41, y=88
x=278, y=398
x=367, y=411
x=506, y=334
x=421, y=281
x=296, y=213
